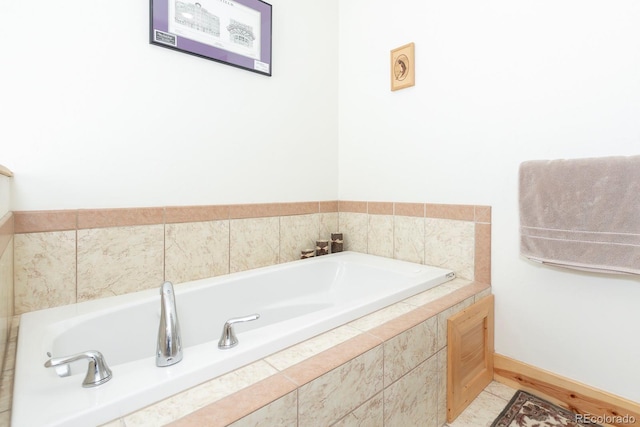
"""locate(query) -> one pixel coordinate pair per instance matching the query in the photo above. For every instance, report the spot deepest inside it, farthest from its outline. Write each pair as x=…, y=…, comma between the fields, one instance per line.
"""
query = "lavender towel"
x=582, y=213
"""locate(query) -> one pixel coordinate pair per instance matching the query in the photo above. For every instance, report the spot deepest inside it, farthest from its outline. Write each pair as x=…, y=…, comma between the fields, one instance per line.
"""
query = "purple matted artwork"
x=234, y=32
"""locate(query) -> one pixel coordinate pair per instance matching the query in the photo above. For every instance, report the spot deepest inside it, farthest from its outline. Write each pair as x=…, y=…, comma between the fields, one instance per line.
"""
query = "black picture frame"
x=233, y=32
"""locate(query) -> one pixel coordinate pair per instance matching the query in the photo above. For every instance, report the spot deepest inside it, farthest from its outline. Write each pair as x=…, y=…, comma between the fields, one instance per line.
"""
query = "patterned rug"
x=527, y=410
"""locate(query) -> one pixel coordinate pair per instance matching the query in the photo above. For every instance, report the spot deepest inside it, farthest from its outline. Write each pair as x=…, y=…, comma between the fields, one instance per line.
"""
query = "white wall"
x=95, y=116
x=499, y=82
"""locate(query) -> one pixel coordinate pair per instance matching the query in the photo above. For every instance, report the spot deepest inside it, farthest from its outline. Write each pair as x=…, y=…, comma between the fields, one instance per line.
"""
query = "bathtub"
x=296, y=301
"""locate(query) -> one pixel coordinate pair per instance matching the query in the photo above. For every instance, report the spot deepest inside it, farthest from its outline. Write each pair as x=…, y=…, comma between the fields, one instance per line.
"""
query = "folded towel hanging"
x=582, y=213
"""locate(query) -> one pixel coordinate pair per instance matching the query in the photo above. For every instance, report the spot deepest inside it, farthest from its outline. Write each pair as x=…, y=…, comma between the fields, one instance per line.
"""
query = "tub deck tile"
x=412, y=400
x=282, y=413
x=195, y=398
x=316, y=366
x=300, y=352
x=238, y=405
x=377, y=318
x=369, y=414
x=335, y=394
x=404, y=352
x=437, y=292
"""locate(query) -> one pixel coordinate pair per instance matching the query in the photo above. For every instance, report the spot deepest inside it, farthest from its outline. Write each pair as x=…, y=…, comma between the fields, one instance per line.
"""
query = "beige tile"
x=6, y=299
x=500, y=390
x=413, y=400
x=331, y=359
x=254, y=242
x=193, y=399
x=409, y=238
x=377, y=318
x=450, y=244
x=15, y=326
x=403, y=322
x=459, y=295
x=299, y=352
x=196, y=250
x=297, y=232
x=282, y=413
x=407, y=350
x=6, y=389
x=335, y=394
x=380, y=235
x=481, y=412
x=328, y=223
x=354, y=227
x=5, y=419
x=442, y=386
x=119, y=260
x=45, y=270
x=234, y=407
x=369, y=414
x=438, y=292
x=7, y=230
x=12, y=345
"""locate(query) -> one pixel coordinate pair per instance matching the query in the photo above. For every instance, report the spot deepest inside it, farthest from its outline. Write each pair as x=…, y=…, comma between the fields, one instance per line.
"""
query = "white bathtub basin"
x=295, y=300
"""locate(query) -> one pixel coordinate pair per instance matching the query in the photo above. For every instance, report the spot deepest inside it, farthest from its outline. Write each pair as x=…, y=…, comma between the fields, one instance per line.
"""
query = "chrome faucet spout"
x=169, y=348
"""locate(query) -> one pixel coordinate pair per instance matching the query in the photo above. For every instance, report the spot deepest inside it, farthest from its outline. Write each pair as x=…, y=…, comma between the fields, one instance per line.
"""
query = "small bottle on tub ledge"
x=307, y=253
x=337, y=242
x=322, y=247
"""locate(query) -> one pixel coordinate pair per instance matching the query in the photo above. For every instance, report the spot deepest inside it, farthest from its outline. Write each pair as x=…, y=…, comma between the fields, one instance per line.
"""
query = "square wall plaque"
x=403, y=67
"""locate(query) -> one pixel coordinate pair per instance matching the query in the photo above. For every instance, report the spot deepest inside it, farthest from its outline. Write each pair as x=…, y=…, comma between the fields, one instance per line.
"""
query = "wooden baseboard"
x=599, y=406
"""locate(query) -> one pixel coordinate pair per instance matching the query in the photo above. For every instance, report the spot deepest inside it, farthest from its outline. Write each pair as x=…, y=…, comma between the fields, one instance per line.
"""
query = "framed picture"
x=403, y=72
x=234, y=32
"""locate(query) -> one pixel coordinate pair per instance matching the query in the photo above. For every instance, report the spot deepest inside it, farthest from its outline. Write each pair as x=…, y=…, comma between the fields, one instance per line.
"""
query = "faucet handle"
x=97, y=373
x=61, y=370
x=228, y=338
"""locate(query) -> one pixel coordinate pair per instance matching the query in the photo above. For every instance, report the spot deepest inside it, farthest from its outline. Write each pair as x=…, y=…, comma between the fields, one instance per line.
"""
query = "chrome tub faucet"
x=228, y=338
x=97, y=373
x=169, y=348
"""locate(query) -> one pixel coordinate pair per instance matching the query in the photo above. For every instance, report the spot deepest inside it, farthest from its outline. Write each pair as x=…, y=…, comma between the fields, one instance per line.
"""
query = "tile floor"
x=486, y=407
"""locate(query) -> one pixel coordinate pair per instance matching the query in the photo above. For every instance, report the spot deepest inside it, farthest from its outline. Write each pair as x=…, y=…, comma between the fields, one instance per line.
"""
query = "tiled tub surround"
x=452, y=236
x=384, y=369
x=62, y=257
